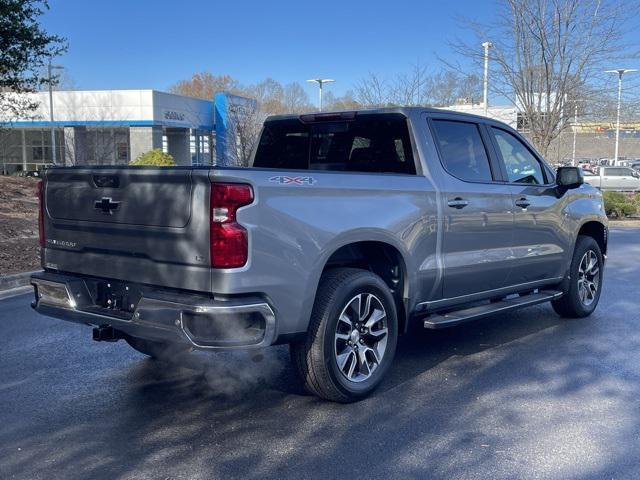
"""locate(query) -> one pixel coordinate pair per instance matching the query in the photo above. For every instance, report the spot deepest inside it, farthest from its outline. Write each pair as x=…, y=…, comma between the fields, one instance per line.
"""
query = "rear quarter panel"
x=295, y=228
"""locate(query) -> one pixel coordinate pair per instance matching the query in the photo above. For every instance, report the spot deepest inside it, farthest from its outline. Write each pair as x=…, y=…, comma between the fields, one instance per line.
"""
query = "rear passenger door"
x=478, y=230
x=539, y=246
x=612, y=178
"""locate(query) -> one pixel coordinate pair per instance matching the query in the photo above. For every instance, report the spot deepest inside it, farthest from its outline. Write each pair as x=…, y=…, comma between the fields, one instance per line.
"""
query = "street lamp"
x=575, y=132
x=620, y=72
x=320, y=82
x=485, y=93
x=50, y=69
x=575, y=128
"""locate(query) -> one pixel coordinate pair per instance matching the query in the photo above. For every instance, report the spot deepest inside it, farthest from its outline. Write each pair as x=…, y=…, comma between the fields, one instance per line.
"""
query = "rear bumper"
x=161, y=315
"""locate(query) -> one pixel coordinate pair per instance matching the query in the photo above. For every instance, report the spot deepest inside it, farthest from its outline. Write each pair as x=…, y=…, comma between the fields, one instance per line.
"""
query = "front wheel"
x=584, y=285
x=352, y=336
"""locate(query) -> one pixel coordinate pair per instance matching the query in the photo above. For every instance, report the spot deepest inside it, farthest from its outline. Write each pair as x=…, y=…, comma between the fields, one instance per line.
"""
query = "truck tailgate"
x=146, y=225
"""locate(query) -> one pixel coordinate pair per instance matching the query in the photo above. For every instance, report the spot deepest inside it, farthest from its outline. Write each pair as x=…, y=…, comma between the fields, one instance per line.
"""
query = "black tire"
x=316, y=358
x=571, y=304
x=156, y=350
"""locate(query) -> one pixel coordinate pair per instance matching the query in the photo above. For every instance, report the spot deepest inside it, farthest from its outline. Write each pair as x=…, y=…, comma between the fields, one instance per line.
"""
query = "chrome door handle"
x=523, y=203
x=458, y=203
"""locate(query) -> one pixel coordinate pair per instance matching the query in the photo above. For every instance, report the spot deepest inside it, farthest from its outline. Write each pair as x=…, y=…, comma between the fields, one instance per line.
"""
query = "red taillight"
x=40, y=192
x=229, y=240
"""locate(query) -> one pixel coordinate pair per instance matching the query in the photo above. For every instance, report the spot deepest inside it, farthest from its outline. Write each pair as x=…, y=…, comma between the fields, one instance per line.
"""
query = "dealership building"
x=108, y=127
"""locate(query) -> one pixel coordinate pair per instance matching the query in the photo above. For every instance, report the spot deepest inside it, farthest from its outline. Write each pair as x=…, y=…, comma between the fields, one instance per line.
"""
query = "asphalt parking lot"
x=521, y=395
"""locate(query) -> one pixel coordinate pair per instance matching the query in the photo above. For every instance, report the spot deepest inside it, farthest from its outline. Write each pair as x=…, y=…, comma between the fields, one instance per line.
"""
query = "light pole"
x=50, y=70
x=320, y=82
x=575, y=129
x=485, y=93
x=620, y=72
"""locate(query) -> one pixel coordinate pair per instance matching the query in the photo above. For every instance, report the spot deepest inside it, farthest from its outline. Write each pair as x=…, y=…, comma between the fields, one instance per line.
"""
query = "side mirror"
x=569, y=177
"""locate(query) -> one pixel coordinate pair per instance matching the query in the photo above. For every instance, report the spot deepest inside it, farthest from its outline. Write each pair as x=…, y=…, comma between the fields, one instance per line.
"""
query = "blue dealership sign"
x=228, y=110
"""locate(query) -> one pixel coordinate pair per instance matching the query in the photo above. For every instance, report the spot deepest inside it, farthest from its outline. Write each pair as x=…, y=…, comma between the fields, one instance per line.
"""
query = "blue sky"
x=153, y=44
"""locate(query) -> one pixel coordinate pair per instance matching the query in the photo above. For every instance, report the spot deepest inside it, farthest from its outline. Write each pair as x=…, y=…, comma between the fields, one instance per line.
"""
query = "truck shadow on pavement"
x=517, y=395
x=455, y=402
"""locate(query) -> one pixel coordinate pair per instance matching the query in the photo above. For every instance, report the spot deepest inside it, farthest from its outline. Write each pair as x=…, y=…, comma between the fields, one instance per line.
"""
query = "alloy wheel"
x=588, y=278
x=361, y=337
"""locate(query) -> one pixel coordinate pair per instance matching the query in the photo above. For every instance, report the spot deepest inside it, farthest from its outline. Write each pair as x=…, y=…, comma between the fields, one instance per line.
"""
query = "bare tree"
x=372, y=90
x=244, y=122
x=205, y=85
x=548, y=53
x=246, y=118
x=417, y=86
x=447, y=87
x=268, y=93
x=345, y=102
x=271, y=95
x=295, y=99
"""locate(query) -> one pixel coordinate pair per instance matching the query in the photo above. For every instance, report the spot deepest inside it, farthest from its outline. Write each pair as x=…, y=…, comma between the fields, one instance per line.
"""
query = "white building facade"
x=506, y=114
x=107, y=127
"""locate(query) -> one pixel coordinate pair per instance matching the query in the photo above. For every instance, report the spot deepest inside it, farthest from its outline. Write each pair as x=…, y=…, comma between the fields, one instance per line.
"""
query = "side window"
x=521, y=165
x=618, y=172
x=462, y=150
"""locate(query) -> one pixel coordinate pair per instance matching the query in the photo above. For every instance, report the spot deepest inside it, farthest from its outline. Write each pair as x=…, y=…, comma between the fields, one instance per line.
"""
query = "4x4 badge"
x=285, y=180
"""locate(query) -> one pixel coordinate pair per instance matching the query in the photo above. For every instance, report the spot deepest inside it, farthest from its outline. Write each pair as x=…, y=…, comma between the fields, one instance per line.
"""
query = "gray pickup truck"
x=347, y=228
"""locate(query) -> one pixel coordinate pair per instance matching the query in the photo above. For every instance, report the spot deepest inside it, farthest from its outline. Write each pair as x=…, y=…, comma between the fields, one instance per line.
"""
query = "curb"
x=14, y=292
x=15, y=280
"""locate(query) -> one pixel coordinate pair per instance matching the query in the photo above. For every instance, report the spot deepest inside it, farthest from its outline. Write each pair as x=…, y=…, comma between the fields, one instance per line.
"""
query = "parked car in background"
x=587, y=167
x=618, y=179
x=32, y=173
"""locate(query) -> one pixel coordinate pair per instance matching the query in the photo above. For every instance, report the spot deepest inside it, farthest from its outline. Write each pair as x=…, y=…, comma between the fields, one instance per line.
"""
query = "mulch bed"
x=19, y=251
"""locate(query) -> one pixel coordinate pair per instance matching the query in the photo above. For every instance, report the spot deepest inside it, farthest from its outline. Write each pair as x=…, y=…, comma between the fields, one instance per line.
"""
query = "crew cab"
x=346, y=229
x=620, y=179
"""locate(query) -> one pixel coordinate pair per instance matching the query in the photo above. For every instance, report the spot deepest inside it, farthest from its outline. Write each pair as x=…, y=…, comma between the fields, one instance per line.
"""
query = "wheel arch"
x=598, y=231
x=383, y=259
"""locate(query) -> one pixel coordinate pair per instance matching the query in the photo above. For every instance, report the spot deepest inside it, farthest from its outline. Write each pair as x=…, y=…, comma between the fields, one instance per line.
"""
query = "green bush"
x=620, y=205
x=629, y=209
x=155, y=158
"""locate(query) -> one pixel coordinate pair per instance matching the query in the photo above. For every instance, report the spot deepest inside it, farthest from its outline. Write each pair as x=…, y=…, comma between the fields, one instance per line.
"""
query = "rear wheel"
x=157, y=350
x=352, y=336
x=583, y=287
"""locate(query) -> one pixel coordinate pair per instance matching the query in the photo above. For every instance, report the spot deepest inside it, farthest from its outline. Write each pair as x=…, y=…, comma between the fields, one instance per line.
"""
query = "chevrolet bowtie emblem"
x=106, y=205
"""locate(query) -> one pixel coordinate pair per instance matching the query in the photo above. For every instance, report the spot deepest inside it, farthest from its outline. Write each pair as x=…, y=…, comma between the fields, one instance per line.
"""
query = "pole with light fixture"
x=53, y=130
x=575, y=132
x=320, y=82
x=620, y=72
x=485, y=91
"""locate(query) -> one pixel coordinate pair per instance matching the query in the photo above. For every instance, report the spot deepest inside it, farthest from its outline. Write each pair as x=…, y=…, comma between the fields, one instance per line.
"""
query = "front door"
x=538, y=244
x=629, y=180
x=478, y=217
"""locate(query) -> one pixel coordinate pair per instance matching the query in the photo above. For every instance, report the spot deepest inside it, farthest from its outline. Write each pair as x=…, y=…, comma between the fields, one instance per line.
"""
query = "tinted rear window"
x=462, y=150
x=377, y=143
